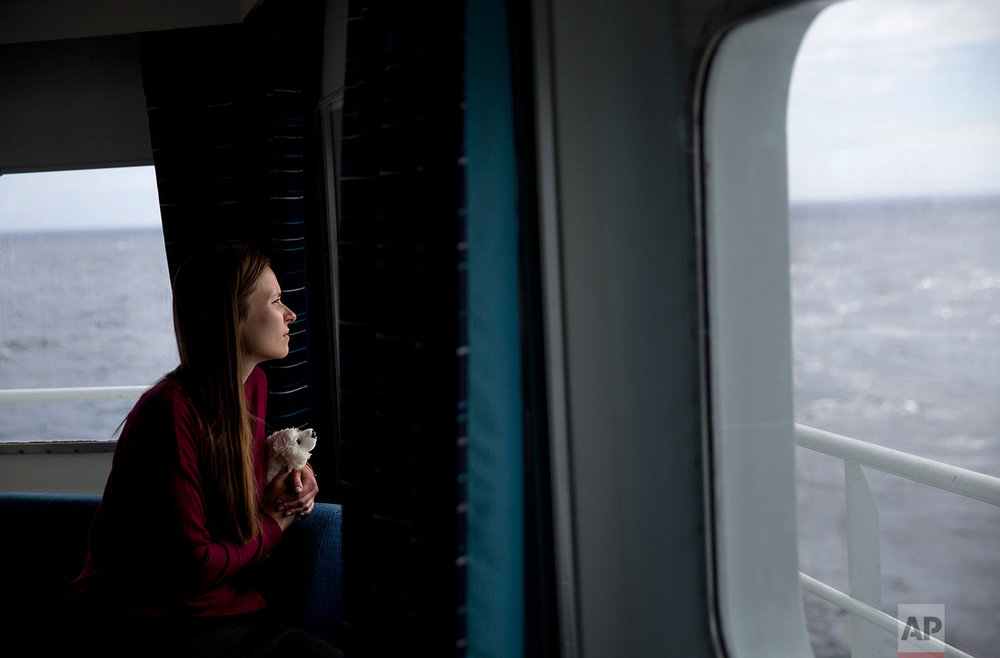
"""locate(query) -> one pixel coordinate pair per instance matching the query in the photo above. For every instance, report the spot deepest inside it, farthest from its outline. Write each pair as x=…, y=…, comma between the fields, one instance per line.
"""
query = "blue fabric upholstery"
x=45, y=543
x=302, y=580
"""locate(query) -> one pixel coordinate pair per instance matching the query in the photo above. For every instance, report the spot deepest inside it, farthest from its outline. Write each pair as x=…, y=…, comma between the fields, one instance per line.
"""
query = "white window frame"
x=749, y=322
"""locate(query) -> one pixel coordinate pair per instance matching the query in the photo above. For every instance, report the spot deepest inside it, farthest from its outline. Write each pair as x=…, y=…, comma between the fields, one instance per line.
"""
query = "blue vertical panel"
x=495, y=567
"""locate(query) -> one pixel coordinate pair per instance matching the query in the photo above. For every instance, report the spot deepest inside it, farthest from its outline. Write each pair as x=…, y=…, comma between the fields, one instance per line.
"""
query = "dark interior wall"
x=72, y=104
x=22, y=21
x=70, y=78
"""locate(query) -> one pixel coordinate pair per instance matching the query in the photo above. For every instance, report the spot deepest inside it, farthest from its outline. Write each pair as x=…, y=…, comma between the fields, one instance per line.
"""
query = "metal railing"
x=74, y=394
x=65, y=394
x=863, y=560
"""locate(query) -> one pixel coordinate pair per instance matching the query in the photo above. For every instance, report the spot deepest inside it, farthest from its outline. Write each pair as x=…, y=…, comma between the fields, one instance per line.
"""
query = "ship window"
x=85, y=296
x=894, y=183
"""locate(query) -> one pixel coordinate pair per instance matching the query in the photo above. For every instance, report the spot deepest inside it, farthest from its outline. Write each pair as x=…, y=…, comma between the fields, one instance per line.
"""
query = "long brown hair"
x=211, y=293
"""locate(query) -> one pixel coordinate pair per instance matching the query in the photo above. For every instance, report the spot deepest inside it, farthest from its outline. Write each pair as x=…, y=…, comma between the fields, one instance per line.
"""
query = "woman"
x=185, y=513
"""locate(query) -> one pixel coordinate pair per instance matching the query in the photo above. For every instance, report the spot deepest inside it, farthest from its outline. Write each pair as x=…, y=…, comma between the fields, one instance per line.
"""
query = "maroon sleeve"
x=209, y=560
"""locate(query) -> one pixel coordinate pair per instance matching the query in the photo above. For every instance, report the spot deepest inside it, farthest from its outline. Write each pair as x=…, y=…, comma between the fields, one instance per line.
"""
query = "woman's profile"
x=186, y=514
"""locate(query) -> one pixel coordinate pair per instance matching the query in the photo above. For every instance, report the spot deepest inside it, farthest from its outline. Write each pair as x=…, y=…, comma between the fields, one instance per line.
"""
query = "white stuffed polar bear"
x=289, y=449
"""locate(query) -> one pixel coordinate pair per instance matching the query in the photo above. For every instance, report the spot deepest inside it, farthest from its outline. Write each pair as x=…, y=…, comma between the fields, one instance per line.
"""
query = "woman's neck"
x=246, y=367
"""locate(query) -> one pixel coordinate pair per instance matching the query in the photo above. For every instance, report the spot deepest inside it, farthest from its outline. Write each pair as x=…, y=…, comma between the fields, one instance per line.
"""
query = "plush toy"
x=289, y=449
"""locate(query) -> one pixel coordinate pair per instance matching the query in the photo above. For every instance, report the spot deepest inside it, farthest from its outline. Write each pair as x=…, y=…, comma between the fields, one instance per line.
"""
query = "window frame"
x=60, y=465
x=748, y=321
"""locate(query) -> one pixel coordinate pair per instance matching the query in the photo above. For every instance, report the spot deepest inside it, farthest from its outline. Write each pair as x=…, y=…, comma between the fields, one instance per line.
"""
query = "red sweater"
x=152, y=550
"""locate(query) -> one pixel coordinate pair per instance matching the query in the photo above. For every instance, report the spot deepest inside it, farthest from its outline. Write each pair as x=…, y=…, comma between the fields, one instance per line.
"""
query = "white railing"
x=76, y=394
x=863, y=560
x=887, y=623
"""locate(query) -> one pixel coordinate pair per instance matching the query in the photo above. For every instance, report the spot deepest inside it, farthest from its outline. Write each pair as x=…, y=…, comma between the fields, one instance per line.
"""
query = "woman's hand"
x=300, y=496
x=269, y=501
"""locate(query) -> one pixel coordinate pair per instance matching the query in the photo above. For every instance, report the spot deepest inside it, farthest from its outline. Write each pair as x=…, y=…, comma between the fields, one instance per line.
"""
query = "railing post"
x=864, y=565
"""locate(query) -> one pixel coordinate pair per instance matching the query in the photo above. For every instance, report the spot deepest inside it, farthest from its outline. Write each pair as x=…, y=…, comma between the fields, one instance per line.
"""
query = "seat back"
x=45, y=544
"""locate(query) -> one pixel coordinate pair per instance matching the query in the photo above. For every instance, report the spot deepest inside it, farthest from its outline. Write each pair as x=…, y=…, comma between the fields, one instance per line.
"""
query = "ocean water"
x=81, y=309
x=896, y=339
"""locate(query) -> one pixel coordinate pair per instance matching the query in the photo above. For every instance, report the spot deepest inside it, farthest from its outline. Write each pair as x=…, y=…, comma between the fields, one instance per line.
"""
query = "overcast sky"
x=897, y=98
x=122, y=197
x=888, y=98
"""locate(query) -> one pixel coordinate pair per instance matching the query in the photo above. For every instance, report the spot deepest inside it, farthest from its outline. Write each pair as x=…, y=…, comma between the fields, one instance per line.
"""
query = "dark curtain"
x=231, y=121
x=402, y=372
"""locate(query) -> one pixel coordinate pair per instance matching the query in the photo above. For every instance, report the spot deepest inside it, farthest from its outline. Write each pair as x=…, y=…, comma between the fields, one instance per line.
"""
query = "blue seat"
x=44, y=545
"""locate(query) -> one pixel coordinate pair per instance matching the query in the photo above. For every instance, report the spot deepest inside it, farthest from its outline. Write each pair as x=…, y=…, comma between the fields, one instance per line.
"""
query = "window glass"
x=894, y=182
x=85, y=296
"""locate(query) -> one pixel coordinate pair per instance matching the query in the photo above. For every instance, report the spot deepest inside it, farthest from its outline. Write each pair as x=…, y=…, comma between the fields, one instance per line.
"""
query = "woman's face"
x=264, y=331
